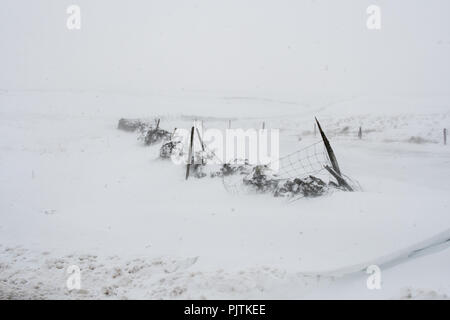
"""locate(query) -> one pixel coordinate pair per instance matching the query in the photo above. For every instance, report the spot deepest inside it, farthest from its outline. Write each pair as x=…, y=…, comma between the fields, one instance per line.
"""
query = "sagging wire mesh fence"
x=308, y=161
x=300, y=174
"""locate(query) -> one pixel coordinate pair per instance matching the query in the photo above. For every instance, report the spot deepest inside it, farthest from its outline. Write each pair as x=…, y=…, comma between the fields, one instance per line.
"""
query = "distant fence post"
x=445, y=136
x=229, y=124
x=263, y=125
x=360, y=133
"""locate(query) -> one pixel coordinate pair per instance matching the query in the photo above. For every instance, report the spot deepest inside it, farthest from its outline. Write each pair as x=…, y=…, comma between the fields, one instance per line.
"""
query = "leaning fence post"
x=445, y=136
x=157, y=124
x=190, y=160
x=173, y=133
x=330, y=151
x=201, y=143
x=360, y=133
x=341, y=181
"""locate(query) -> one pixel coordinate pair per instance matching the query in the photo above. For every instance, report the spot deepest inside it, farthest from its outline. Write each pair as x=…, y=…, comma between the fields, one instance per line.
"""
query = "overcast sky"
x=257, y=47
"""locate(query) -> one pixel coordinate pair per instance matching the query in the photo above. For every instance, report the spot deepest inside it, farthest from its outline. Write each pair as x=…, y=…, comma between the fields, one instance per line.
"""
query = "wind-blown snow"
x=75, y=190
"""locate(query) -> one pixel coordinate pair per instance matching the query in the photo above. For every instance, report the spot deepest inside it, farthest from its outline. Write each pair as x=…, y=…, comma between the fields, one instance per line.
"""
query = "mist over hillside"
x=259, y=48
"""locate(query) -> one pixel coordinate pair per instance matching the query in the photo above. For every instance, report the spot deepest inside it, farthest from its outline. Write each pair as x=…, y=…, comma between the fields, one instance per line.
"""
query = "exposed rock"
x=171, y=148
x=228, y=169
x=262, y=178
x=308, y=187
x=131, y=125
x=419, y=140
x=157, y=135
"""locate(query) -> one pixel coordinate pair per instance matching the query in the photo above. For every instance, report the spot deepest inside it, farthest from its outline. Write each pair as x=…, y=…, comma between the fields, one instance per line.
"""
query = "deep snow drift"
x=74, y=190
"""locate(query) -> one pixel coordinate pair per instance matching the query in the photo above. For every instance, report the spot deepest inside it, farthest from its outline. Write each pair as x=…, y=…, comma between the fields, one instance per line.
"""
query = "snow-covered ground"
x=74, y=190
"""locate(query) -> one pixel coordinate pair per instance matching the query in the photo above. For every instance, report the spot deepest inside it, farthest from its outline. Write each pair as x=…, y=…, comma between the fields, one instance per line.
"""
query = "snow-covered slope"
x=76, y=191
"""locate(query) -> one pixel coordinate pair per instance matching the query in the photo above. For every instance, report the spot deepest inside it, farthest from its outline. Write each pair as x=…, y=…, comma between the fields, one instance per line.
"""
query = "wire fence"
x=308, y=161
x=304, y=162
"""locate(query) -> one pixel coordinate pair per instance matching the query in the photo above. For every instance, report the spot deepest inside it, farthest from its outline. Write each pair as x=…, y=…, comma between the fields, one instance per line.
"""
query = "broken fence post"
x=330, y=151
x=173, y=134
x=188, y=166
x=341, y=181
x=334, y=171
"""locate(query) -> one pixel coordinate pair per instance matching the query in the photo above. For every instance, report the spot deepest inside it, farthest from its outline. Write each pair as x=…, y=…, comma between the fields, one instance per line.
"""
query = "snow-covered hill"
x=75, y=190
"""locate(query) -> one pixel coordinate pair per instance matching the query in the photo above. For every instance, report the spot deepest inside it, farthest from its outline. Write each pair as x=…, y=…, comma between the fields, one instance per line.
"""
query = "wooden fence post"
x=173, y=133
x=360, y=133
x=330, y=151
x=445, y=136
x=201, y=143
x=190, y=159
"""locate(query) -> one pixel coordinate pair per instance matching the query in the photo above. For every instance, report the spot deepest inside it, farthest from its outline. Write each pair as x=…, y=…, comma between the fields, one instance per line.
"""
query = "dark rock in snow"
x=262, y=178
x=171, y=148
x=153, y=136
x=419, y=140
x=308, y=187
x=198, y=171
x=228, y=169
x=130, y=125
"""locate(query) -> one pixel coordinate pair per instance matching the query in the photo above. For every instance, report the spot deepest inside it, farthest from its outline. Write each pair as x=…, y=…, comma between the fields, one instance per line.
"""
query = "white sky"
x=254, y=47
